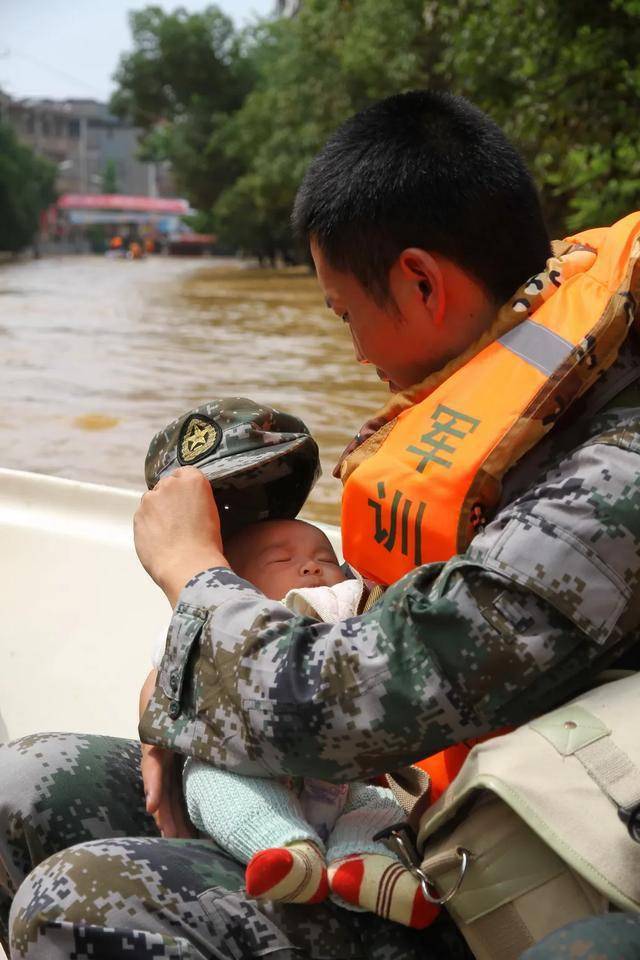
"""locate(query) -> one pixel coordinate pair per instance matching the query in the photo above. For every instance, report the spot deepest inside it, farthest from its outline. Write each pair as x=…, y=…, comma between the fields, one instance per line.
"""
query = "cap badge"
x=198, y=437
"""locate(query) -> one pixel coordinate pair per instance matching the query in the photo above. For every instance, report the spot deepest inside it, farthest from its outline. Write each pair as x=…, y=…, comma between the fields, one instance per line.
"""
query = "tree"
x=312, y=71
x=563, y=81
x=110, y=177
x=187, y=72
x=26, y=189
x=241, y=115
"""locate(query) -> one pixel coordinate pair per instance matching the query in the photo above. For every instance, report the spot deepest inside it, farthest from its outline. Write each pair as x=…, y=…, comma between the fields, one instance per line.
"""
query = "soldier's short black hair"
x=423, y=169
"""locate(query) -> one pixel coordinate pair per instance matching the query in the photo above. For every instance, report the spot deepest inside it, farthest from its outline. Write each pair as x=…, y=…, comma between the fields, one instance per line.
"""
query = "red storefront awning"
x=116, y=201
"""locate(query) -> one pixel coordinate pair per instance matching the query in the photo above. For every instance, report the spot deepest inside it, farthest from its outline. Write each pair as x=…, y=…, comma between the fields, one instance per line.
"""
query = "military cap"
x=261, y=462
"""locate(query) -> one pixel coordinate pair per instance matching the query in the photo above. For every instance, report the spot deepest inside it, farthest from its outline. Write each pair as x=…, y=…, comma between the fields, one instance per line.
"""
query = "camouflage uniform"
x=612, y=937
x=545, y=597
x=139, y=895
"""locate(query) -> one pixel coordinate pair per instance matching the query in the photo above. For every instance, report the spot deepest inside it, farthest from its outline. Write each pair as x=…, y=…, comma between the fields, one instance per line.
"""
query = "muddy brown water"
x=99, y=354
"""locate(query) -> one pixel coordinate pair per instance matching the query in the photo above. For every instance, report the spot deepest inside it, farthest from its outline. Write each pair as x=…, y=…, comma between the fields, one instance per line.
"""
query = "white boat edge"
x=80, y=615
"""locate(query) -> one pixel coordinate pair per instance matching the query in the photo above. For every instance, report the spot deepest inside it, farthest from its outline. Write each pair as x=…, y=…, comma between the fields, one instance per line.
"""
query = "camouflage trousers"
x=615, y=936
x=101, y=883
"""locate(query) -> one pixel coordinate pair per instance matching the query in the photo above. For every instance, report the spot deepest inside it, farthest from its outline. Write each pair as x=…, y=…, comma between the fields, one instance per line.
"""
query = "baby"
x=304, y=841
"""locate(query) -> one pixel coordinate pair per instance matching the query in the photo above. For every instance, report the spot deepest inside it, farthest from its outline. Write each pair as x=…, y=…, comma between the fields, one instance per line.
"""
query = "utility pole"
x=152, y=180
x=82, y=156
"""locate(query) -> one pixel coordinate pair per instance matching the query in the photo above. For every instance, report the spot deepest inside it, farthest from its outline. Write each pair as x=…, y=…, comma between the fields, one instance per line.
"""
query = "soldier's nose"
x=360, y=356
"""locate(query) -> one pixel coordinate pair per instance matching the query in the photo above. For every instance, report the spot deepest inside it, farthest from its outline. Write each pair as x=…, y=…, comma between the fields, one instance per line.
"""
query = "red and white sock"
x=381, y=885
x=296, y=873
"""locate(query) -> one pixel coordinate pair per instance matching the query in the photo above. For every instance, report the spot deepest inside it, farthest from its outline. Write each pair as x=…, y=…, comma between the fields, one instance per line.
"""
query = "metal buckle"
x=407, y=849
x=630, y=816
x=404, y=839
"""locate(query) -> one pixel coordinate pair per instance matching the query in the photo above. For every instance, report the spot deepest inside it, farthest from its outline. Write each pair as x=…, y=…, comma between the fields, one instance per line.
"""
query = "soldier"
x=422, y=221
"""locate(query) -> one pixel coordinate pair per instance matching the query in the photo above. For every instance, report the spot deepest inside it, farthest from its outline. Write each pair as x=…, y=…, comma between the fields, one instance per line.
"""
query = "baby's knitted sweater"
x=244, y=814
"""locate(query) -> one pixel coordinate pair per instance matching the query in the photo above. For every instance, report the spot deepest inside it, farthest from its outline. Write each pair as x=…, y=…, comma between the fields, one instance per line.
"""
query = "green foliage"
x=241, y=115
x=563, y=81
x=183, y=64
x=312, y=71
x=186, y=72
x=110, y=177
x=26, y=188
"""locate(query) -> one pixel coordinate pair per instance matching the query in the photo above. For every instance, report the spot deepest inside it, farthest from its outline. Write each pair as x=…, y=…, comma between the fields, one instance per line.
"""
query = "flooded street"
x=99, y=354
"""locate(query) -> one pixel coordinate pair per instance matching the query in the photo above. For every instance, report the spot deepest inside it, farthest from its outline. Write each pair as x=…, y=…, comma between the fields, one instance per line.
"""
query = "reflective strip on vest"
x=542, y=348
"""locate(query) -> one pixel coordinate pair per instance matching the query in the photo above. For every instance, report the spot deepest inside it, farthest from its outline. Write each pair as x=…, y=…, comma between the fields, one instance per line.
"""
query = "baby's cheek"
x=278, y=583
x=265, y=583
x=338, y=577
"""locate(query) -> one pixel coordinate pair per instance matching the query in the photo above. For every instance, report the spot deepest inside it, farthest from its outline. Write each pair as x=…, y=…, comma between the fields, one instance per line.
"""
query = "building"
x=287, y=8
x=81, y=222
x=84, y=141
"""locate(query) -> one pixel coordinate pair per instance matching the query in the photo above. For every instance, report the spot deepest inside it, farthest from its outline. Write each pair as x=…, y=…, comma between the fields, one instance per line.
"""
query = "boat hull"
x=79, y=614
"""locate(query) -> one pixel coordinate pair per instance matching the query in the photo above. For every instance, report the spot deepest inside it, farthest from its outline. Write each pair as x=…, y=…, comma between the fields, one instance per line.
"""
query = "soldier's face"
x=433, y=314
x=380, y=334
x=280, y=555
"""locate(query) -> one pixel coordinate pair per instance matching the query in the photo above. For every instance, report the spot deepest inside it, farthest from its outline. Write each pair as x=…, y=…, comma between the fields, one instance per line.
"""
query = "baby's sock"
x=295, y=873
x=381, y=885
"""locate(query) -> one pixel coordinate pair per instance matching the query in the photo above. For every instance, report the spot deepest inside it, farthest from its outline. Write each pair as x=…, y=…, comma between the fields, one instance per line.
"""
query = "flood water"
x=98, y=354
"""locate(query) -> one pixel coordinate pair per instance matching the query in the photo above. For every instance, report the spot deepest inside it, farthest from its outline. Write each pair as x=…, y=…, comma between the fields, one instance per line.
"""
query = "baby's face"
x=278, y=555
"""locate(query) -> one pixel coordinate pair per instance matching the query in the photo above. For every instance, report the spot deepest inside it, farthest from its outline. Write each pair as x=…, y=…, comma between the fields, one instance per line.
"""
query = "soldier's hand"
x=161, y=773
x=177, y=530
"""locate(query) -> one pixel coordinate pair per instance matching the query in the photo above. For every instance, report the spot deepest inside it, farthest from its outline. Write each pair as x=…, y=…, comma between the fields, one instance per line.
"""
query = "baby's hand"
x=163, y=791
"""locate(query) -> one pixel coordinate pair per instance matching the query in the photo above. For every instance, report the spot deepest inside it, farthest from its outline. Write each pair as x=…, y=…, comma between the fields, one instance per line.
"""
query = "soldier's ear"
x=417, y=285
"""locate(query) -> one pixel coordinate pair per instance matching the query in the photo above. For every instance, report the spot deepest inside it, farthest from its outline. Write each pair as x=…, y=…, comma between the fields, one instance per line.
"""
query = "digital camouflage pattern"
x=124, y=892
x=261, y=462
x=489, y=638
x=612, y=937
x=121, y=890
x=57, y=790
x=545, y=597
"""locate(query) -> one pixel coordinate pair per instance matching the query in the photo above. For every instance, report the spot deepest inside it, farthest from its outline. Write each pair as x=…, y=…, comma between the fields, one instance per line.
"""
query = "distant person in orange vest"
x=115, y=248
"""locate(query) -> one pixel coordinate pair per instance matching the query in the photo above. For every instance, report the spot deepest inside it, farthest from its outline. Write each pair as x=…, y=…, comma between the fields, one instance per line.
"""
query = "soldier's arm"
x=546, y=596
x=147, y=690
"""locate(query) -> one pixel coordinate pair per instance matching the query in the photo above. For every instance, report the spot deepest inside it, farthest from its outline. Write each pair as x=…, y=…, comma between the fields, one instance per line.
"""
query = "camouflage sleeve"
x=544, y=597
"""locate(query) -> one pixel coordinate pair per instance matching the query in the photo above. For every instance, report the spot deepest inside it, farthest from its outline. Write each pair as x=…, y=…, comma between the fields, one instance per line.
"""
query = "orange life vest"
x=424, y=489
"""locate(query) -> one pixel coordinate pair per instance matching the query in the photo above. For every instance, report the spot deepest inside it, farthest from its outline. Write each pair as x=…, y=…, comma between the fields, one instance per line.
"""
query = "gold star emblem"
x=199, y=436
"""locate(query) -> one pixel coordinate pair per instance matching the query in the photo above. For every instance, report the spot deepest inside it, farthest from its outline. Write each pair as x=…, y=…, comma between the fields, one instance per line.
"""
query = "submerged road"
x=98, y=354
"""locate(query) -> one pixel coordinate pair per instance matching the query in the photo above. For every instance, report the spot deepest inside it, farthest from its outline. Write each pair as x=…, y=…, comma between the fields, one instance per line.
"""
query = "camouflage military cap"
x=261, y=462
